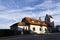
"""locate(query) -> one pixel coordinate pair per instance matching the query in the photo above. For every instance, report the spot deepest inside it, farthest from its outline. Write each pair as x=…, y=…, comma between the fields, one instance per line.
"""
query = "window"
x=33, y=29
x=45, y=29
x=40, y=29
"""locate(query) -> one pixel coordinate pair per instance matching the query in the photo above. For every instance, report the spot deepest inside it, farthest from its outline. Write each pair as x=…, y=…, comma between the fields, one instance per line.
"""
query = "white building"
x=30, y=25
x=19, y=27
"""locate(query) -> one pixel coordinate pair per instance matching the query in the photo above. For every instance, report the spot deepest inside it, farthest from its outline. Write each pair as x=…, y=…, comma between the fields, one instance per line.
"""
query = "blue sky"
x=12, y=11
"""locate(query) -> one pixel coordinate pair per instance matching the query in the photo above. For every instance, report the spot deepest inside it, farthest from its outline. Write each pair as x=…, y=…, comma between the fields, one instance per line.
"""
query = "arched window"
x=33, y=28
x=40, y=29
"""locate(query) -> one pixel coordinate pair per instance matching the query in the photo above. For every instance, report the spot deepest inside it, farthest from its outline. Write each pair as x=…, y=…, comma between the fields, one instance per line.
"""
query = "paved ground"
x=53, y=36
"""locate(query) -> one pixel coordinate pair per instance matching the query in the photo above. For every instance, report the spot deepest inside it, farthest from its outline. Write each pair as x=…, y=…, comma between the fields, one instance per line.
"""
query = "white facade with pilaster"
x=38, y=29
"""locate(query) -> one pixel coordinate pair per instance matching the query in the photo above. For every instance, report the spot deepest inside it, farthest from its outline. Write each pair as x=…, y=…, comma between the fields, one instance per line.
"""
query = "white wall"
x=44, y=29
x=20, y=28
x=37, y=29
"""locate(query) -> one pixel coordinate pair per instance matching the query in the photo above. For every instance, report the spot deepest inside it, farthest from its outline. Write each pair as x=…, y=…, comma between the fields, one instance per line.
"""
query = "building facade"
x=30, y=25
x=38, y=29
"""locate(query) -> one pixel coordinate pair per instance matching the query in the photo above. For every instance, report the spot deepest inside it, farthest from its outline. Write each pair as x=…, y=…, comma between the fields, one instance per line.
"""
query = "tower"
x=50, y=21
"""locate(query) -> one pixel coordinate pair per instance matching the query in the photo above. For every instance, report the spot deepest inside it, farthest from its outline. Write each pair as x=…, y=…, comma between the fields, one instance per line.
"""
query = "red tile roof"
x=21, y=24
x=32, y=21
x=35, y=21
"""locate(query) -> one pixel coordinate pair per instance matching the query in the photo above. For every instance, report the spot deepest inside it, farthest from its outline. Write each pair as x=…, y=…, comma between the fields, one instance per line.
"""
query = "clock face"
x=51, y=19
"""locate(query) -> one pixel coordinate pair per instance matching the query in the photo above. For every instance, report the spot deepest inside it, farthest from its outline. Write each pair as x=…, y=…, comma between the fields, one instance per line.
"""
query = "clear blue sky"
x=12, y=11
